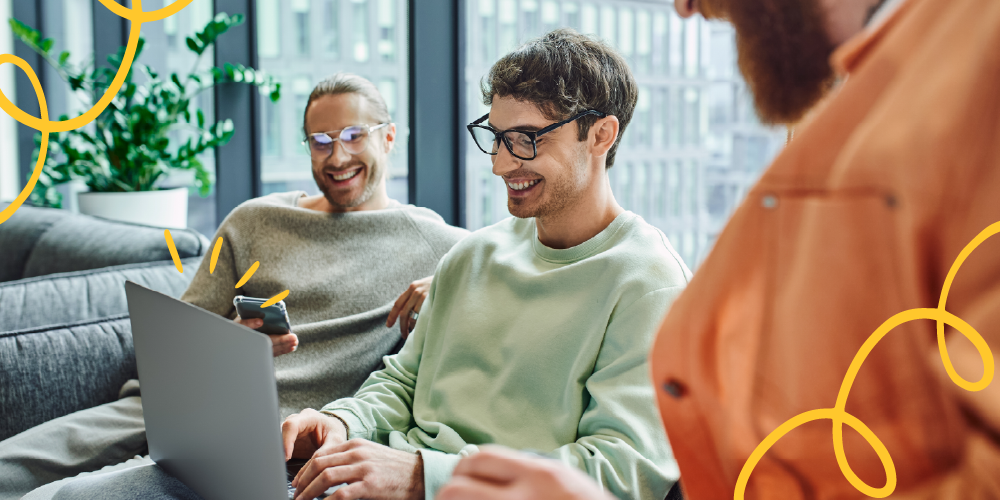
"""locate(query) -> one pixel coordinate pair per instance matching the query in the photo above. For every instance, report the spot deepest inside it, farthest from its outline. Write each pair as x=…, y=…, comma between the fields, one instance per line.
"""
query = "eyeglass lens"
x=521, y=145
x=352, y=139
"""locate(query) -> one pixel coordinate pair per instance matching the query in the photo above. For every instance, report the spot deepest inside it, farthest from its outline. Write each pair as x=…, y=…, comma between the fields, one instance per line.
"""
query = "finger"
x=312, y=468
x=324, y=478
x=420, y=302
x=353, y=491
x=252, y=323
x=284, y=344
x=398, y=306
x=407, y=322
x=493, y=465
x=289, y=433
x=466, y=488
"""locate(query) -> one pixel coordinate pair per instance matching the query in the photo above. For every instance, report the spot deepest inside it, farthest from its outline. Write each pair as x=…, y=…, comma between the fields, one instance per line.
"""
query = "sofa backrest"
x=66, y=339
x=85, y=295
x=41, y=241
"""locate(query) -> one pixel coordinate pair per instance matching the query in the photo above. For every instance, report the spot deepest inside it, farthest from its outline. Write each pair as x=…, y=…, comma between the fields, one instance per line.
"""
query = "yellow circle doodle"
x=42, y=123
x=839, y=415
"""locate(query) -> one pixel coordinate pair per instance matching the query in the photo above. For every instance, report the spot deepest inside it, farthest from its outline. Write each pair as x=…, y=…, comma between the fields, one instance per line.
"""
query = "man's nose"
x=504, y=162
x=686, y=8
x=339, y=155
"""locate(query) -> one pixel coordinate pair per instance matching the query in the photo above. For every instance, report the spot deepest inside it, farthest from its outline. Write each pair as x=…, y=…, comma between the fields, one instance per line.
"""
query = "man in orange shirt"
x=861, y=217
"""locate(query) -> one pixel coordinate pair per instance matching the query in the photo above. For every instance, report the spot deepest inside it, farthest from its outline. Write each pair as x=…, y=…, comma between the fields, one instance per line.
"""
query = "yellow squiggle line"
x=839, y=415
x=248, y=274
x=215, y=255
x=42, y=123
x=173, y=251
x=274, y=300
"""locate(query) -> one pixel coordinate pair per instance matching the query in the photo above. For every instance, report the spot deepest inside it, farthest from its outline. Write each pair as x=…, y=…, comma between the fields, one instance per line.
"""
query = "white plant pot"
x=163, y=208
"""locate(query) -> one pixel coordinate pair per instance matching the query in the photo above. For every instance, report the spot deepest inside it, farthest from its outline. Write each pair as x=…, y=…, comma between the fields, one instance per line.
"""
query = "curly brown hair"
x=565, y=73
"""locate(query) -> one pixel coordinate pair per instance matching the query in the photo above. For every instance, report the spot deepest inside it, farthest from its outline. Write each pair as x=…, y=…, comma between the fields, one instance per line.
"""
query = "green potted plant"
x=151, y=129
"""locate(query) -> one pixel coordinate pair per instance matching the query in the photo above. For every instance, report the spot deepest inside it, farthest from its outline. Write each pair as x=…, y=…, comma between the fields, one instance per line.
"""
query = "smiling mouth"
x=521, y=186
x=344, y=176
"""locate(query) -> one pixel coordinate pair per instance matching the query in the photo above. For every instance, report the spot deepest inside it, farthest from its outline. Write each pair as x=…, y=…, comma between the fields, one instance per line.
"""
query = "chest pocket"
x=833, y=277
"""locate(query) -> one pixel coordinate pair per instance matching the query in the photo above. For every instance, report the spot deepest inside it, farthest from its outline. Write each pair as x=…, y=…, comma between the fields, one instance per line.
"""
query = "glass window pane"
x=300, y=13
x=359, y=17
x=626, y=34
x=643, y=42
x=572, y=12
x=368, y=37
x=530, y=25
x=9, y=171
x=331, y=28
x=387, y=30
x=608, y=24
x=588, y=19
x=268, y=29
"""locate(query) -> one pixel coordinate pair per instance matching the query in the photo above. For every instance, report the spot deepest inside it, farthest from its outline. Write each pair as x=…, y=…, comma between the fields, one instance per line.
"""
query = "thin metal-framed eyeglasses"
x=521, y=143
x=353, y=139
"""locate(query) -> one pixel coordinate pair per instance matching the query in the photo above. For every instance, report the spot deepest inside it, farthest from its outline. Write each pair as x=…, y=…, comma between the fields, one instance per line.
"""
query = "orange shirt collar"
x=848, y=56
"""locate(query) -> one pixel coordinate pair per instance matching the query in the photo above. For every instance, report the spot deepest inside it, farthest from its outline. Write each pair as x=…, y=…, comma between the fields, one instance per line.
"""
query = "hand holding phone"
x=272, y=321
x=275, y=316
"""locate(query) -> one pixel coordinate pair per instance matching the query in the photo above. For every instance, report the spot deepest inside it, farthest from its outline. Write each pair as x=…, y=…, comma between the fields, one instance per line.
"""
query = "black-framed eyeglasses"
x=354, y=139
x=521, y=143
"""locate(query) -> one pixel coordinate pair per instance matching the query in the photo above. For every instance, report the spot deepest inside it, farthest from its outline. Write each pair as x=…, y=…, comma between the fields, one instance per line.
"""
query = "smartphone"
x=275, y=316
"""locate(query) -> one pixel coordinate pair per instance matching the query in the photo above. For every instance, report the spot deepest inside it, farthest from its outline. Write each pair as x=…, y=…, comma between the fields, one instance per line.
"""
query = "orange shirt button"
x=675, y=388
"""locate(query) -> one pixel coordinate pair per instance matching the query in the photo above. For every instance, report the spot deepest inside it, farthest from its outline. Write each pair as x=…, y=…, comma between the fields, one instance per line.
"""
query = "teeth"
x=346, y=175
x=520, y=186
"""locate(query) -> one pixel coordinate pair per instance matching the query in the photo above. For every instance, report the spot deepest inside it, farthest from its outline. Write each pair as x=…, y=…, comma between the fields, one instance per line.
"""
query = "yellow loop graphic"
x=839, y=415
x=42, y=123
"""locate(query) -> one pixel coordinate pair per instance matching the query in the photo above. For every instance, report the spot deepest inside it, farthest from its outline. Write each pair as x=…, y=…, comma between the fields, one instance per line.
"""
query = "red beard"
x=784, y=53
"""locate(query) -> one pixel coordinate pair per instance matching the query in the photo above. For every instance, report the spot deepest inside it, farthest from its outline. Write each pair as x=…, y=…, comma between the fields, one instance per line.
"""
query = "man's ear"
x=390, y=137
x=603, y=135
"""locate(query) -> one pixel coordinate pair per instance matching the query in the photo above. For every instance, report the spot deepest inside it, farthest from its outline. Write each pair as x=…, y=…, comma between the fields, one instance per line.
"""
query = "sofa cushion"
x=40, y=241
x=53, y=371
x=19, y=235
x=85, y=295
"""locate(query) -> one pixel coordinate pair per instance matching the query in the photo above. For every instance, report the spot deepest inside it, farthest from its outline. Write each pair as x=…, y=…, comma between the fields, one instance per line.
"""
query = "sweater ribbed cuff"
x=437, y=470
x=355, y=427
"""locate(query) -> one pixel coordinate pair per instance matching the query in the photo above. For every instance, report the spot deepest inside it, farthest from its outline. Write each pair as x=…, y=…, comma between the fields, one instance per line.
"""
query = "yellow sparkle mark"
x=215, y=255
x=840, y=417
x=42, y=123
x=274, y=300
x=173, y=251
x=248, y=274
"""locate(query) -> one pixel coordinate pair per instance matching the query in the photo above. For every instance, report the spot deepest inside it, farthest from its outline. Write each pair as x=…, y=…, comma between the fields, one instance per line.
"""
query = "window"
x=9, y=175
x=365, y=37
x=300, y=14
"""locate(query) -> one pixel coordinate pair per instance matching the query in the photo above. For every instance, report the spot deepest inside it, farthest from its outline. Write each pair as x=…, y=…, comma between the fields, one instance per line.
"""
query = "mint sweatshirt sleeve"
x=621, y=441
x=384, y=403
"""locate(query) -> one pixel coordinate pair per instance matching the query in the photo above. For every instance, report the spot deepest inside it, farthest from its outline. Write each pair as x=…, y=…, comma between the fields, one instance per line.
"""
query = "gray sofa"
x=65, y=337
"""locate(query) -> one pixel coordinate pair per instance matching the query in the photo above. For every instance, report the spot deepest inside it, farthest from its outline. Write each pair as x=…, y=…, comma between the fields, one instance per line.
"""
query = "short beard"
x=371, y=185
x=784, y=53
x=563, y=191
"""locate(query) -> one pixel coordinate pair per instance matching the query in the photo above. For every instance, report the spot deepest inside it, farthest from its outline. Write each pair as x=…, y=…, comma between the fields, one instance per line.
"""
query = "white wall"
x=9, y=182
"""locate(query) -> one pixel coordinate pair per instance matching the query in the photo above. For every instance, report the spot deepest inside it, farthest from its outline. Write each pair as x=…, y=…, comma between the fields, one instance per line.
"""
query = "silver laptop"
x=209, y=399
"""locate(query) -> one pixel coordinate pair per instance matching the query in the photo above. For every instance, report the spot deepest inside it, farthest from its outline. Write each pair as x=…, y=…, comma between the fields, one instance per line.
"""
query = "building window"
x=331, y=28
x=9, y=171
x=300, y=13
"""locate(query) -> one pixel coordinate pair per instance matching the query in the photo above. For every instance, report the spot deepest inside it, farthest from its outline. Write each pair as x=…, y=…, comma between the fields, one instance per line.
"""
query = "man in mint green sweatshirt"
x=536, y=330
